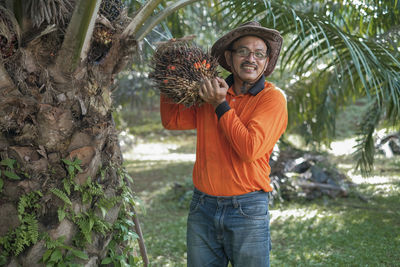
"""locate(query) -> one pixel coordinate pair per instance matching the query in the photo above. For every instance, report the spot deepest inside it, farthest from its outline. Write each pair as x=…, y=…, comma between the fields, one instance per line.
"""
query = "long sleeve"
x=176, y=116
x=262, y=130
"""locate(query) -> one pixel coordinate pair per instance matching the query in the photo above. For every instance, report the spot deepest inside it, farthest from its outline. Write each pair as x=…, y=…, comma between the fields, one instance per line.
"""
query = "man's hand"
x=214, y=91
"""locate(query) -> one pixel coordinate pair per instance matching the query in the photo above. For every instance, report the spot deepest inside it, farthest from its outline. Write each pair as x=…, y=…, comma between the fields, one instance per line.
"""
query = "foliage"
x=165, y=188
x=123, y=243
x=341, y=233
x=9, y=172
x=27, y=233
x=323, y=232
x=366, y=145
x=48, y=41
x=124, y=234
x=331, y=57
x=55, y=250
x=93, y=221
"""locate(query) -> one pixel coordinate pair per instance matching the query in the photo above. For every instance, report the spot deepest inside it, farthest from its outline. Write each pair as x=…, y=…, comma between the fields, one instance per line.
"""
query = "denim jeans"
x=223, y=229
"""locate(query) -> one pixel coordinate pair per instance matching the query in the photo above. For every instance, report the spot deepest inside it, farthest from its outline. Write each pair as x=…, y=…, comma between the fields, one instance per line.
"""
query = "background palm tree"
x=335, y=52
x=65, y=198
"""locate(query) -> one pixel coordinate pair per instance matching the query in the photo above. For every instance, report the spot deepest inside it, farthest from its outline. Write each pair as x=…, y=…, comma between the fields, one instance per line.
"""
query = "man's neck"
x=241, y=87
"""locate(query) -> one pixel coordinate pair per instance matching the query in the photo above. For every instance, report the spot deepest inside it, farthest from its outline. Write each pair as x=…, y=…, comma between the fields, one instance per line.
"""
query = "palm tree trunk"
x=64, y=195
x=50, y=118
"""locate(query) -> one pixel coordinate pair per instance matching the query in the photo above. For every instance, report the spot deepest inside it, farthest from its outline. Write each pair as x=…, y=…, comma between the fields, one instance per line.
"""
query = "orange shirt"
x=233, y=148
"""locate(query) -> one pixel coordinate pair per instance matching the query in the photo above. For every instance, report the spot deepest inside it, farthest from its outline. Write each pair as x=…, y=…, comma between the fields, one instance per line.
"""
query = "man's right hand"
x=213, y=91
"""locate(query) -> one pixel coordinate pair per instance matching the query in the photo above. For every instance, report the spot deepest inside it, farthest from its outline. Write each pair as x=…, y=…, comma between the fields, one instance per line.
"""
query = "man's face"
x=248, y=66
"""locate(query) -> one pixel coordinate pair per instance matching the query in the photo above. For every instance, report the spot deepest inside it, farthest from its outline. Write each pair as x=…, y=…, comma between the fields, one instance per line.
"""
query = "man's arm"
x=259, y=136
x=176, y=116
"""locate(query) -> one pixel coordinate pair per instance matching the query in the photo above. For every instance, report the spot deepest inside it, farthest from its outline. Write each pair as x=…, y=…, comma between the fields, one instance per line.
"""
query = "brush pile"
x=178, y=69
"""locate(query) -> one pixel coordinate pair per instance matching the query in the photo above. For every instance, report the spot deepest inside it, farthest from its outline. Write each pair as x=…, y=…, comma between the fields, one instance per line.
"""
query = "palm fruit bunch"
x=178, y=70
x=103, y=35
x=111, y=9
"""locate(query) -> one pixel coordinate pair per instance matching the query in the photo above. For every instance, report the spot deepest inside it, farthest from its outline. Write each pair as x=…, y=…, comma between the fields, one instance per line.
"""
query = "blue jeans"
x=223, y=229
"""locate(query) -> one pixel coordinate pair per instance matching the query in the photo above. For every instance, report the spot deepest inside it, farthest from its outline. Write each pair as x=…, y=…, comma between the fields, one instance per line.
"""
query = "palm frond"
x=153, y=21
x=334, y=58
x=77, y=38
x=365, y=148
x=49, y=11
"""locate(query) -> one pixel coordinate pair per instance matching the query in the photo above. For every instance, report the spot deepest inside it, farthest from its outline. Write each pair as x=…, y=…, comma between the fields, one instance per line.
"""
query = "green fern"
x=89, y=190
x=105, y=204
x=101, y=226
x=67, y=185
x=27, y=233
x=61, y=195
x=54, y=255
x=28, y=202
x=85, y=224
x=61, y=214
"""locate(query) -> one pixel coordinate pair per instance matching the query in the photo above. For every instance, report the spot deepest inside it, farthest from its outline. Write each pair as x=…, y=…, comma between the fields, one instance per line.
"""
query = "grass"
x=344, y=232
x=324, y=232
x=163, y=189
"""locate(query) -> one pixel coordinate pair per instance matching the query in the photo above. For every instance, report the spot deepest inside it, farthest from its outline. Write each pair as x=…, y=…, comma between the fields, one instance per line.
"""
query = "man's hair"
x=230, y=47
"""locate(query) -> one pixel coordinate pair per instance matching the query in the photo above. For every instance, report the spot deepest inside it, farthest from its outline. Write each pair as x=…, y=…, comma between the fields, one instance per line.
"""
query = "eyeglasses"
x=244, y=52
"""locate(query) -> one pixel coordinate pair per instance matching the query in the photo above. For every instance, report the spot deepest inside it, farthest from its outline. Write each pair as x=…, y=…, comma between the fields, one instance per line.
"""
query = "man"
x=237, y=128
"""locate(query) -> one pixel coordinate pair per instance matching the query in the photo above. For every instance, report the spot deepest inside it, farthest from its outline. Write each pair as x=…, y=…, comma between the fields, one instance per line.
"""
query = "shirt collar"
x=254, y=90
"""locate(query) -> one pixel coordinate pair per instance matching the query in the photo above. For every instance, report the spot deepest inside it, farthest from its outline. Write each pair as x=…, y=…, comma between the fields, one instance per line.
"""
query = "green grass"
x=344, y=232
x=164, y=188
x=324, y=232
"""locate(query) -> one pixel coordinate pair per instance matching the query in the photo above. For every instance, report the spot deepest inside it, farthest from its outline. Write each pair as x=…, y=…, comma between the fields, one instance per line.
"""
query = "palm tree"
x=334, y=53
x=65, y=197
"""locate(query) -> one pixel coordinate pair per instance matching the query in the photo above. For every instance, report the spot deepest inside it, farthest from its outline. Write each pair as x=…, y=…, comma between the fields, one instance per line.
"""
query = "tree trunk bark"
x=61, y=178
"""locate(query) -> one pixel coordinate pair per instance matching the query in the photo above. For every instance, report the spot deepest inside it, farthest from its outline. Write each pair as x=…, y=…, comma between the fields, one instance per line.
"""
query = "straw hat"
x=254, y=28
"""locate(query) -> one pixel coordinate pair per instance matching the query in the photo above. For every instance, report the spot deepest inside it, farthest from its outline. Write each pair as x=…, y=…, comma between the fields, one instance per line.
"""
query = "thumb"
x=222, y=83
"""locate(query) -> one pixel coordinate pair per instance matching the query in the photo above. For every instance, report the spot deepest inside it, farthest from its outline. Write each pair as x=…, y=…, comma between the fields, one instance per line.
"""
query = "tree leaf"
x=78, y=168
x=2, y=183
x=80, y=254
x=12, y=175
x=103, y=209
x=68, y=162
x=77, y=162
x=131, y=260
x=8, y=162
x=106, y=261
x=61, y=214
x=46, y=255
x=60, y=194
x=71, y=170
x=56, y=256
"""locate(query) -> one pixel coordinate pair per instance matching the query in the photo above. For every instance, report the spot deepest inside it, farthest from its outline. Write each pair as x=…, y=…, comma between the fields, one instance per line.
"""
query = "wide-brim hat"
x=254, y=28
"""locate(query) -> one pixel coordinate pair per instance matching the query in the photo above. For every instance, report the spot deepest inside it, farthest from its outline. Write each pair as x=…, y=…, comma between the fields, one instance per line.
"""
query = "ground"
x=360, y=230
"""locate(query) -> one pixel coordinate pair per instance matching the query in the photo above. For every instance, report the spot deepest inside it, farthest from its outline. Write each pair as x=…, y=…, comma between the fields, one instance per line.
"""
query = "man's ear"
x=228, y=55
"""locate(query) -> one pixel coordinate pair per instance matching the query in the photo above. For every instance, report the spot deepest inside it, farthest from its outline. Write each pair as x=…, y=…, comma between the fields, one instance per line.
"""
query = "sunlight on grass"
x=301, y=214
x=344, y=147
x=158, y=151
x=351, y=231
x=377, y=179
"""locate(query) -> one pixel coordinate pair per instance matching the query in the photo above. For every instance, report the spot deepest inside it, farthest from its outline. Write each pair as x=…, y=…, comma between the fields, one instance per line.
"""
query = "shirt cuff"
x=222, y=108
